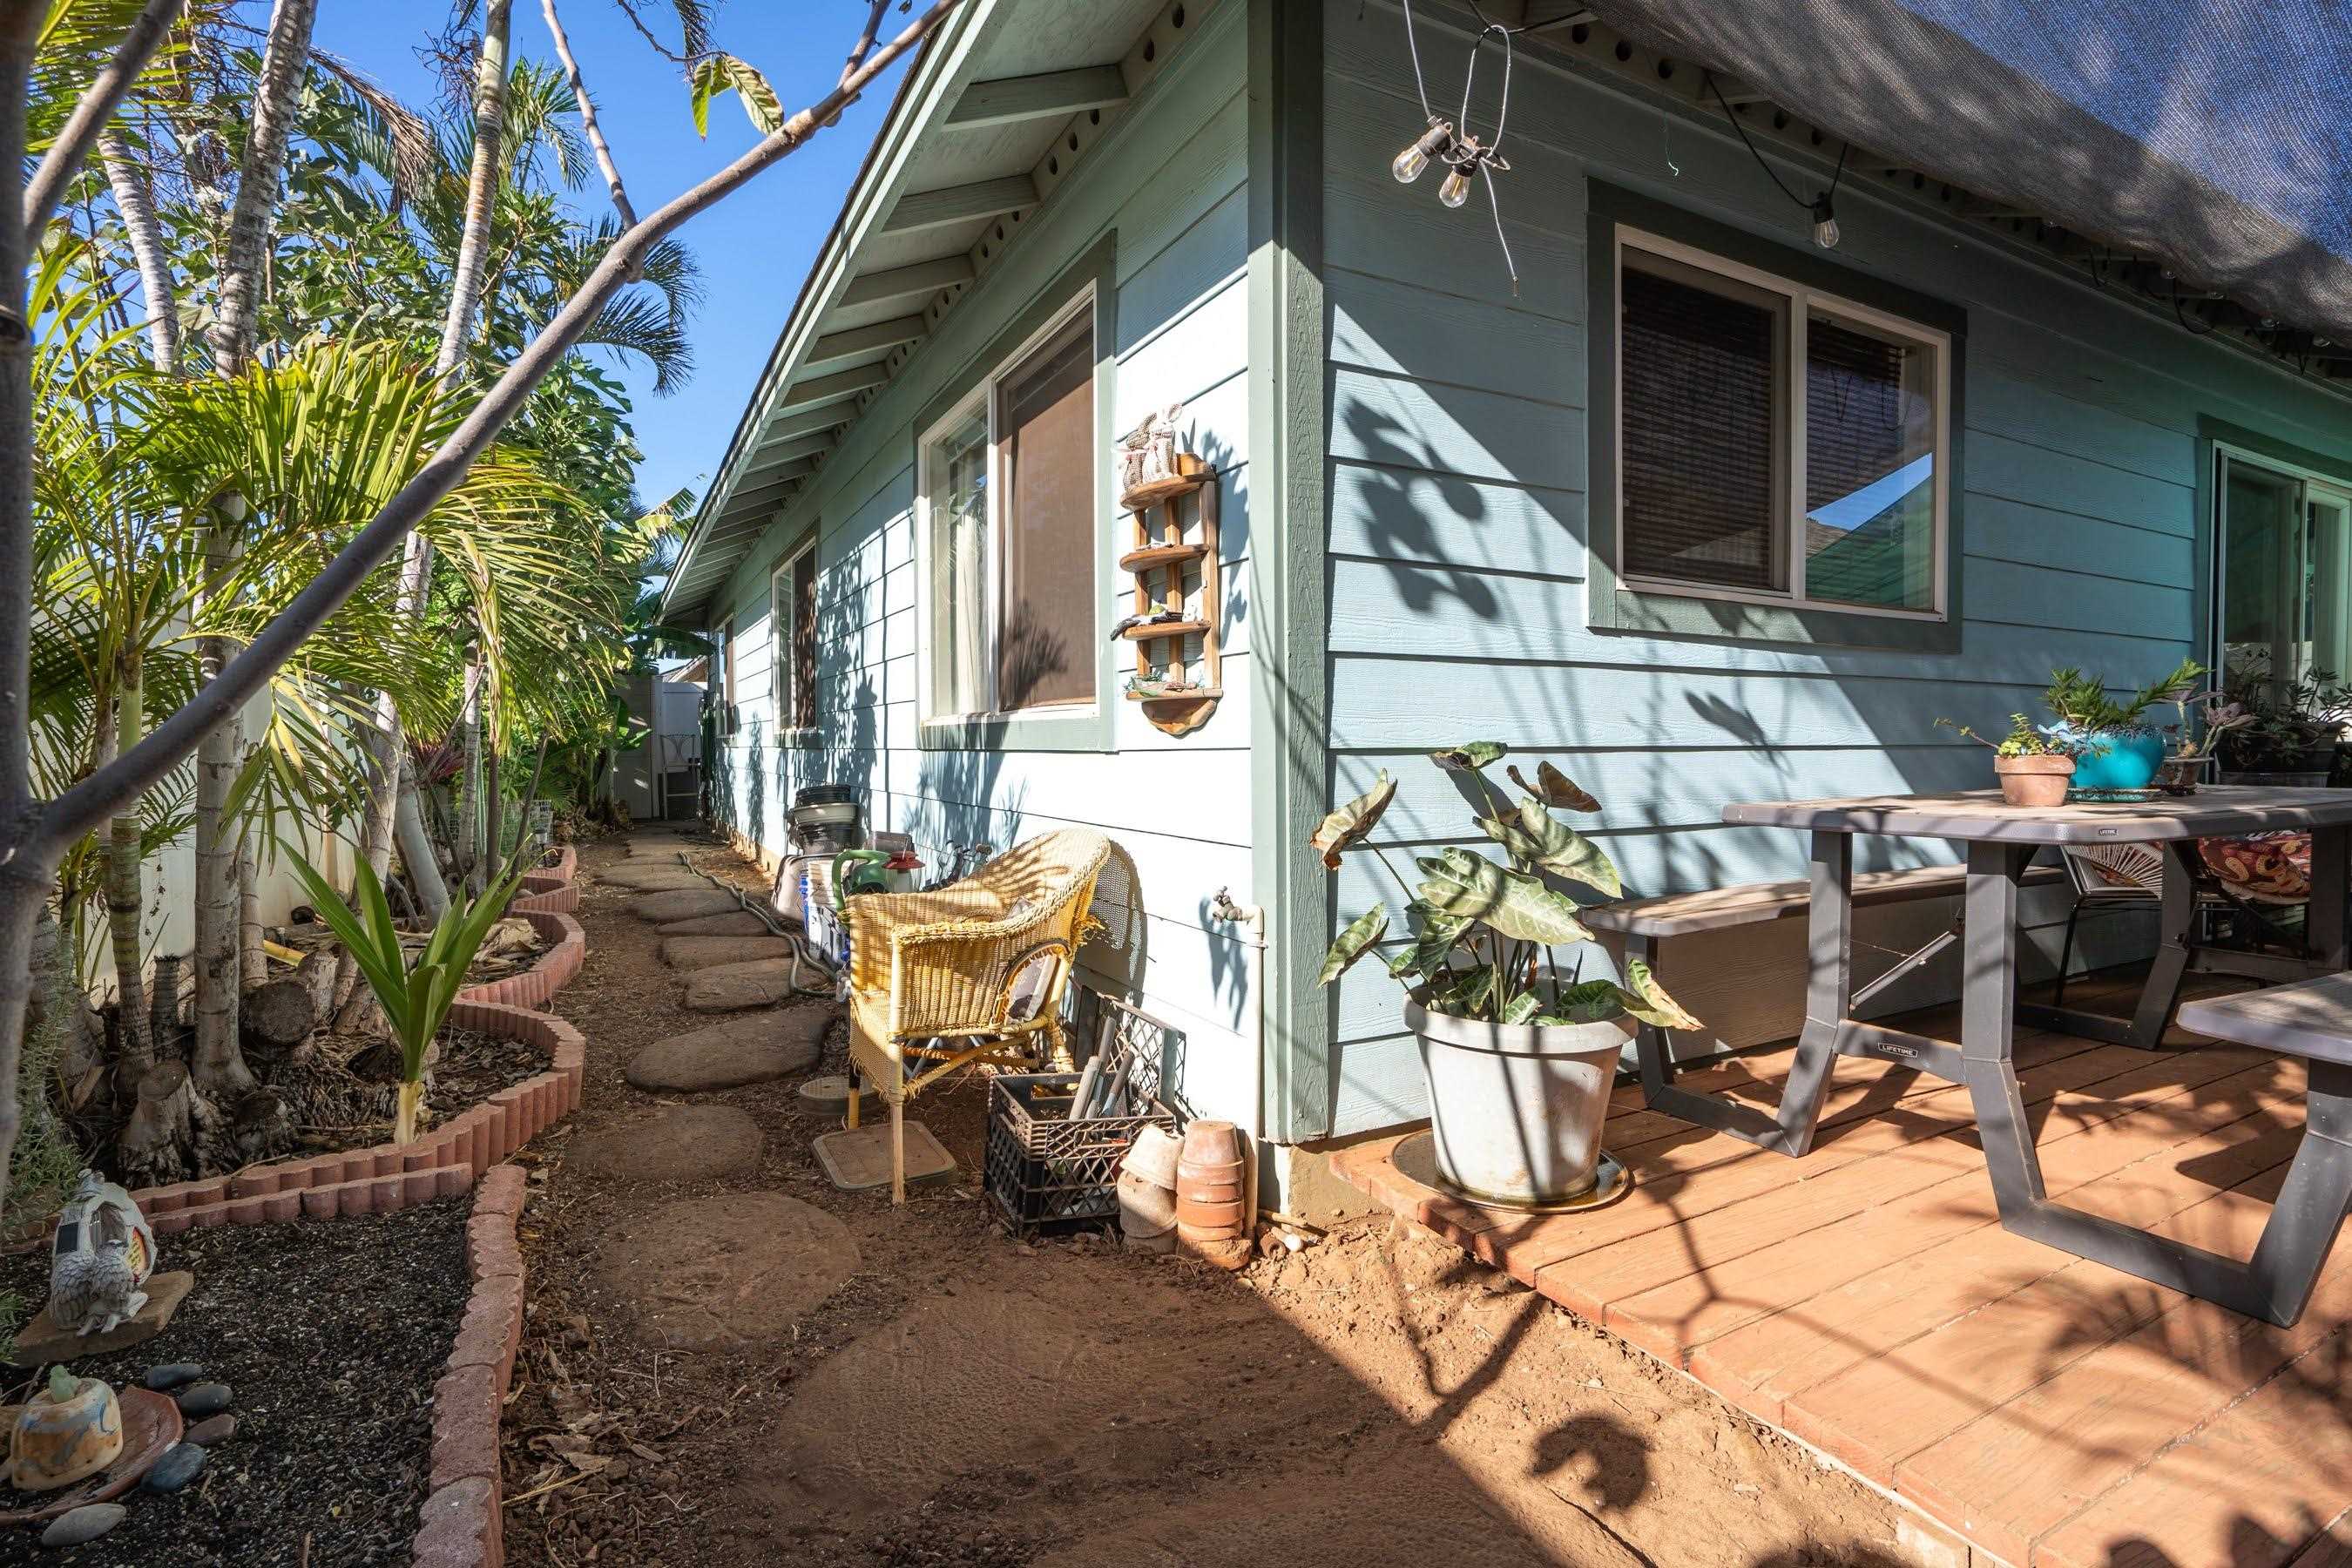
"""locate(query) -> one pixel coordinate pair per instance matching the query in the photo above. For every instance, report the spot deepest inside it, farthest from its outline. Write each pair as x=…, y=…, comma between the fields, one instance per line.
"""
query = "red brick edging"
x=552, y=891
x=536, y=985
x=462, y=1515
x=389, y=1177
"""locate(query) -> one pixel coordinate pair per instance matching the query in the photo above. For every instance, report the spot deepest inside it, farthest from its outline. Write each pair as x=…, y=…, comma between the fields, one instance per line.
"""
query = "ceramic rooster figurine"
x=103, y=1253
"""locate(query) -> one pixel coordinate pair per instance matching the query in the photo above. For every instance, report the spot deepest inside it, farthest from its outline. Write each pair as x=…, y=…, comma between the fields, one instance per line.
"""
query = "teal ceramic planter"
x=2118, y=759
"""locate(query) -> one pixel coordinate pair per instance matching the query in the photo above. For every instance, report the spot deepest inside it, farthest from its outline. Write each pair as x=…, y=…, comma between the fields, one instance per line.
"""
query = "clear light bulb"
x=1408, y=165
x=1825, y=225
x=1456, y=188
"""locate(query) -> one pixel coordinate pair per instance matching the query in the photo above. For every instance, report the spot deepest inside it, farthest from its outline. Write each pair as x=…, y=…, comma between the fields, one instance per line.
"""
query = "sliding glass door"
x=2283, y=601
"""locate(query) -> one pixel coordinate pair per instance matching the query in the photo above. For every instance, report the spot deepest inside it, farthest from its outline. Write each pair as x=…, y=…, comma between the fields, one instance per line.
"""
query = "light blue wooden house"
x=1694, y=507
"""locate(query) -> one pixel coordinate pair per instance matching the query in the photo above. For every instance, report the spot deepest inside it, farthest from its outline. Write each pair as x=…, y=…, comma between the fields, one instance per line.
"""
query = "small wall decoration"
x=1156, y=476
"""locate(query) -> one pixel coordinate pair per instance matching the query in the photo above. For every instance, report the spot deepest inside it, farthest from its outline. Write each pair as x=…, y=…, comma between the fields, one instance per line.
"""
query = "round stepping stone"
x=206, y=1399
x=85, y=1523
x=705, y=952
x=736, y=1052
x=726, y=1273
x=652, y=878
x=682, y=1143
x=741, y=923
x=178, y=1467
x=685, y=903
x=732, y=987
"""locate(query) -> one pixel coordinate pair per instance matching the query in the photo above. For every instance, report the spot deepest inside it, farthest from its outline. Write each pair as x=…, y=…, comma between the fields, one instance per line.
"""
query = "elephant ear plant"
x=1483, y=949
x=416, y=998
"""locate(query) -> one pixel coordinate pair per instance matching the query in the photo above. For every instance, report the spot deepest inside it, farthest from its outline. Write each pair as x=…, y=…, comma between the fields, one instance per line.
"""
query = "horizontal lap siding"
x=1169, y=182
x=1458, y=533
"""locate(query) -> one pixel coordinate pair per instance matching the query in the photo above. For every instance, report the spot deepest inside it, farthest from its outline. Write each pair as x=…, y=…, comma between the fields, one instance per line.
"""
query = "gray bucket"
x=1516, y=1109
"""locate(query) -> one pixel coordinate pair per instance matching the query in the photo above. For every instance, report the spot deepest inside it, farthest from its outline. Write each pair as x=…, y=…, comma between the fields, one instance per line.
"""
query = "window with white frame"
x=727, y=677
x=792, y=654
x=1009, y=498
x=1775, y=443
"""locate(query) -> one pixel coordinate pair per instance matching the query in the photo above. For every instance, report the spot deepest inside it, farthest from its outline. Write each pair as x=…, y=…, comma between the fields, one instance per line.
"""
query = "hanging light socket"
x=1825, y=225
x=1432, y=142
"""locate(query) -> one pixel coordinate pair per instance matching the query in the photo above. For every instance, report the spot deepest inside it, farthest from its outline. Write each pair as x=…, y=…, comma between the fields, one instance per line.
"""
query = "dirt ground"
x=964, y=1399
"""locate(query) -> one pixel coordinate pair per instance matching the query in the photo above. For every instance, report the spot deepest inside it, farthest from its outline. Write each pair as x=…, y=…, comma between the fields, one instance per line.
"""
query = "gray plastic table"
x=1999, y=839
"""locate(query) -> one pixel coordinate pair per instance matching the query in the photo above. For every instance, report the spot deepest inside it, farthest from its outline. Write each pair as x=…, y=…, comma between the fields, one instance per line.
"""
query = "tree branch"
x=857, y=51
x=595, y=132
x=98, y=101
x=98, y=797
x=257, y=183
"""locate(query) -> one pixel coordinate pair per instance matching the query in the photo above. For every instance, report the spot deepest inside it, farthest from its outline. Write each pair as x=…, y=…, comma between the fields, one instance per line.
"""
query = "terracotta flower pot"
x=2039, y=781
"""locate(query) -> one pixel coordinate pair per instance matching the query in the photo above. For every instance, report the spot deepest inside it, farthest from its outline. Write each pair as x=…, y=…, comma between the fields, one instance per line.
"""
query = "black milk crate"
x=1048, y=1176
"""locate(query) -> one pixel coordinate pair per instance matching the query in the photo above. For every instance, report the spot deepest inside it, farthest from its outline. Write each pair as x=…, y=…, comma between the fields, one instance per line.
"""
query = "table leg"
x=2176, y=934
x=2331, y=884
x=1828, y=989
x=1988, y=1014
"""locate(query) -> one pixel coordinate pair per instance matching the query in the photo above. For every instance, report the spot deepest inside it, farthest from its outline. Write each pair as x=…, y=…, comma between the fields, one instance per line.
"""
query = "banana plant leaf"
x=1555, y=788
x=1470, y=756
x=1512, y=902
x=1358, y=939
x=1540, y=838
x=1354, y=822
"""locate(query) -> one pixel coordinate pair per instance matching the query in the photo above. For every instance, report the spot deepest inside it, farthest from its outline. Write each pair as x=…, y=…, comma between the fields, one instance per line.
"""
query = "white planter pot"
x=1516, y=1109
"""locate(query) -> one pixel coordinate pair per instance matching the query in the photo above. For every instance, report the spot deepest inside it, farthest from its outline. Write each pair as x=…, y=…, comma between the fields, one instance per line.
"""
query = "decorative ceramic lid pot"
x=67, y=1432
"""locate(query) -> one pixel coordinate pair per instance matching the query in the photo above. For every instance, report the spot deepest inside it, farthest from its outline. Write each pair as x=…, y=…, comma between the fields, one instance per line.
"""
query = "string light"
x=1450, y=141
x=1823, y=206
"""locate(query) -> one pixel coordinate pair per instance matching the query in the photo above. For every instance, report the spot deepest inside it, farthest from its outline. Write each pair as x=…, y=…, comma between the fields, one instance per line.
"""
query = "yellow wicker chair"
x=970, y=973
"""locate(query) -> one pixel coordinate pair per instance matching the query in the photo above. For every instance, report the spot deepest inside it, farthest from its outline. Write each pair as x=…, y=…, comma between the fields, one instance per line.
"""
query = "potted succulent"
x=2116, y=748
x=2034, y=766
x=2274, y=734
x=1519, y=1056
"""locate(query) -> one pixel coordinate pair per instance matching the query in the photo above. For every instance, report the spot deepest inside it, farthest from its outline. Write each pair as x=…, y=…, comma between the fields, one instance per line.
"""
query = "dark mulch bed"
x=332, y=1334
x=345, y=1102
x=474, y=1065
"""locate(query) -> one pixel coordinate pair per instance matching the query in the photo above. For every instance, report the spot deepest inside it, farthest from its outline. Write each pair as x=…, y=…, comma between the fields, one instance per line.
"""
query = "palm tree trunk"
x=393, y=780
x=219, y=1061
x=469, y=775
x=417, y=850
x=252, y=958
x=126, y=898
x=136, y=203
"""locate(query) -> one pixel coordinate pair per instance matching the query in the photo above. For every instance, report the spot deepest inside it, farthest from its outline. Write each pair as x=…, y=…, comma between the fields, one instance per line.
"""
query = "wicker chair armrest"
x=874, y=922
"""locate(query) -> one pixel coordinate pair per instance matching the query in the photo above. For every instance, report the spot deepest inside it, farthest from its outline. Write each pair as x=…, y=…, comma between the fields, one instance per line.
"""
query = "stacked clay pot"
x=1147, y=1191
x=1213, y=1217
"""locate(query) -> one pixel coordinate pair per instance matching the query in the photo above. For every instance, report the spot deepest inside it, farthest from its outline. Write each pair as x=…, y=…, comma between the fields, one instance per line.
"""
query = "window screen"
x=804, y=649
x=1045, y=651
x=1869, y=466
x=1700, y=367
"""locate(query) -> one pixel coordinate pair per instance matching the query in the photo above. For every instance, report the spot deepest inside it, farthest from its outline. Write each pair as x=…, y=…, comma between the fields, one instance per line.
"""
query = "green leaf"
x=1517, y=905
x=1556, y=847
x=717, y=73
x=1555, y=788
x=1522, y=1008
x=1470, y=992
x=1593, y=1002
x=1353, y=942
x=1354, y=822
x=1470, y=756
x=1438, y=934
x=1647, y=1000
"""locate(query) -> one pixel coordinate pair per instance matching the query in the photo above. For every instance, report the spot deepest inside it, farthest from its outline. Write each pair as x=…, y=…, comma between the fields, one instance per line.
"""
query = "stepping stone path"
x=685, y=904
x=743, y=923
x=727, y=1272
x=730, y=1055
x=703, y=951
x=678, y=1144
x=732, y=987
x=651, y=879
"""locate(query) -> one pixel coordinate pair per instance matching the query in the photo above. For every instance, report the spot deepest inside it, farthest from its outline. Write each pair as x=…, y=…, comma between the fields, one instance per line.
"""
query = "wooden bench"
x=1645, y=923
x=2311, y=1019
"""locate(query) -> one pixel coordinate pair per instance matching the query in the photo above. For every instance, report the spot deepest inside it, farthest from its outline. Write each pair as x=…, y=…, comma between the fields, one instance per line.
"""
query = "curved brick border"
x=553, y=971
x=551, y=892
x=462, y=1527
x=389, y=1176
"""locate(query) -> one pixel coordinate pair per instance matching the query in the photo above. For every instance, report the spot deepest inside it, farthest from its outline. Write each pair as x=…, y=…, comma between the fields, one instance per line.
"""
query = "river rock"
x=206, y=1399
x=181, y=1463
x=171, y=1375
x=210, y=1433
x=85, y=1523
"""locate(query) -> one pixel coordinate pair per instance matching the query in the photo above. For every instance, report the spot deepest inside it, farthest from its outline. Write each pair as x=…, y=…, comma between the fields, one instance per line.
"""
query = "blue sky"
x=754, y=247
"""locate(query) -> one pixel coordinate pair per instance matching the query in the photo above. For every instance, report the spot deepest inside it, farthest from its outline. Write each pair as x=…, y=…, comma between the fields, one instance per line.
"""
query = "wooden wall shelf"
x=1158, y=563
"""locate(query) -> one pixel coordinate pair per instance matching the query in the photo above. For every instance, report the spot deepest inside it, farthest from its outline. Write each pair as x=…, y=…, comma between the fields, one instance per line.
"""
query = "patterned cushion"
x=2264, y=868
